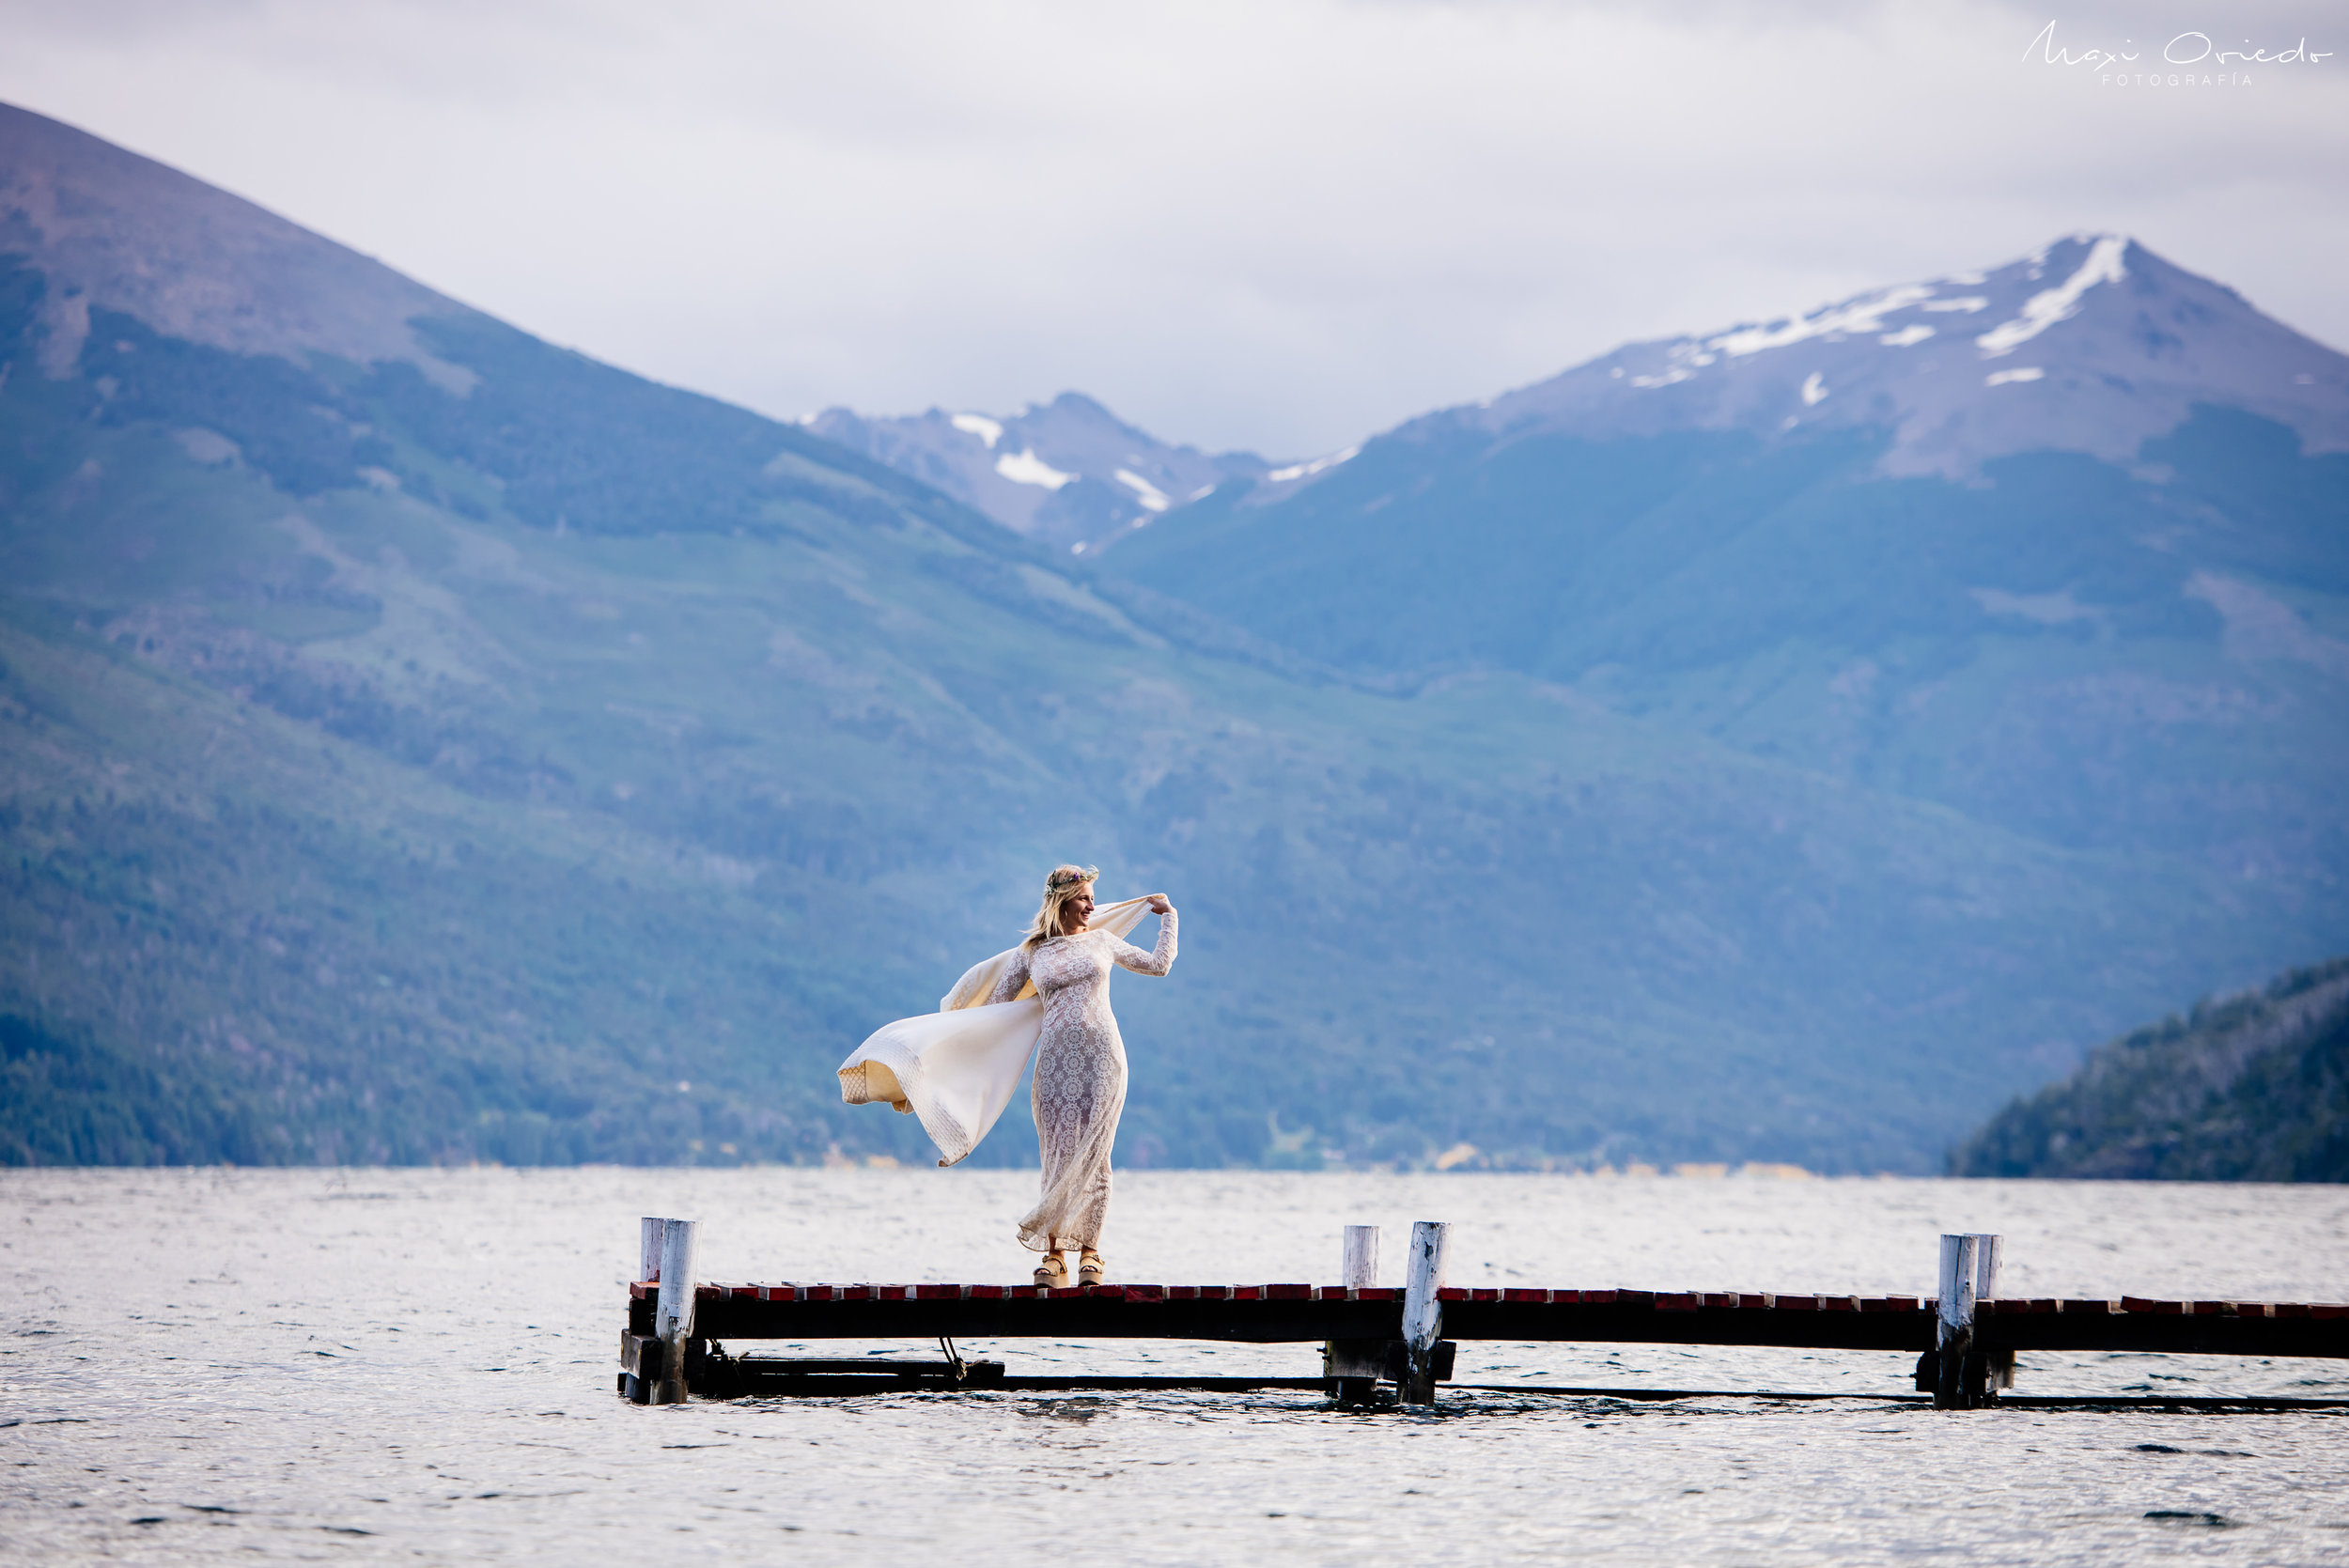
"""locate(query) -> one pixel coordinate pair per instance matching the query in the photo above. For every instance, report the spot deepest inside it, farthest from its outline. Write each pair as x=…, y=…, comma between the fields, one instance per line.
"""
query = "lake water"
x=417, y=1366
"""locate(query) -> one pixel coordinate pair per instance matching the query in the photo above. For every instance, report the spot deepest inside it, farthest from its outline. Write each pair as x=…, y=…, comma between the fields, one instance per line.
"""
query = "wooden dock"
x=1370, y=1335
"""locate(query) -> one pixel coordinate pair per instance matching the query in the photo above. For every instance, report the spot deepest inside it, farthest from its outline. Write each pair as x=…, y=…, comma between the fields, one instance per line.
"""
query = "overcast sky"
x=1274, y=224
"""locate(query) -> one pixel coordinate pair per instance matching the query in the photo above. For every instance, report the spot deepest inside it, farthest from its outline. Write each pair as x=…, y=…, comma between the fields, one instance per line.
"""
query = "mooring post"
x=1954, y=1331
x=1422, y=1313
x=1997, y=1366
x=640, y=1353
x=672, y=1317
x=1360, y=1265
x=1351, y=1368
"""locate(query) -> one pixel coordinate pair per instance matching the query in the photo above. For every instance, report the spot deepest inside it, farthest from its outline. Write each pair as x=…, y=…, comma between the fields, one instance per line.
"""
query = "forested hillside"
x=2252, y=1089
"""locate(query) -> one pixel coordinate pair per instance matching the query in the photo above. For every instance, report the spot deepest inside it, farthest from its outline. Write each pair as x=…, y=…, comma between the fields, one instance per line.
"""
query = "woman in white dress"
x=1080, y=1084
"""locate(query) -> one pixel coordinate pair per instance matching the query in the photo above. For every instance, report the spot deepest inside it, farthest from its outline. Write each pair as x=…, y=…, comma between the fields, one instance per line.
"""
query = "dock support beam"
x=1953, y=1336
x=673, y=1316
x=1422, y=1311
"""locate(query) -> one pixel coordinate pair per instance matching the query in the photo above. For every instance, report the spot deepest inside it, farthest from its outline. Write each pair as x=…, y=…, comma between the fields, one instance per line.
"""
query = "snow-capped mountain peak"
x=1068, y=472
x=2120, y=346
x=2045, y=308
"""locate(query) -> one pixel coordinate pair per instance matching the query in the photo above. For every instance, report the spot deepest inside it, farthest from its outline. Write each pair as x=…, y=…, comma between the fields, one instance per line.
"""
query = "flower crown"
x=1069, y=877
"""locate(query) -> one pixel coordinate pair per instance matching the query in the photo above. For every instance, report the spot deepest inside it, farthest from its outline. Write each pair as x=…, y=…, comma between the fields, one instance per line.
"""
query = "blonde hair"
x=1064, y=883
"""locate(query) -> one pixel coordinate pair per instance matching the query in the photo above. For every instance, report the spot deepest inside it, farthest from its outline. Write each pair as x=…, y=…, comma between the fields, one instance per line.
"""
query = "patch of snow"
x=988, y=430
x=1616, y=371
x=1971, y=279
x=1963, y=302
x=1916, y=331
x=1813, y=390
x=2058, y=609
x=1306, y=470
x=1861, y=316
x=1202, y=492
x=1029, y=469
x=1856, y=679
x=1151, y=495
x=214, y=450
x=1076, y=549
x=1677, y=373
x=2261, y=626
x=2001, y=378
x=2060, y=304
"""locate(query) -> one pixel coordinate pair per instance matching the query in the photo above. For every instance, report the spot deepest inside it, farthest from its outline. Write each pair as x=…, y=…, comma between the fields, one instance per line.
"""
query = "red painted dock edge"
x=1660, y=1300
x=1289, y=1313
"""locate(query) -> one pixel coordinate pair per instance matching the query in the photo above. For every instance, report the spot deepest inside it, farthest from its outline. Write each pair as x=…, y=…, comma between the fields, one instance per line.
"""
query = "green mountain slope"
x=2061, y=648
x=2254, y=1089
x=445, y=747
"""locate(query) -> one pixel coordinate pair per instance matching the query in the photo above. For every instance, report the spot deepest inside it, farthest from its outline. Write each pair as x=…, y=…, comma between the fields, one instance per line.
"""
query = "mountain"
x=2252, y=1089
x=125, y=235
x=2093, y=345
x=418, y=742
x=1067, y=473
x=2062, y=547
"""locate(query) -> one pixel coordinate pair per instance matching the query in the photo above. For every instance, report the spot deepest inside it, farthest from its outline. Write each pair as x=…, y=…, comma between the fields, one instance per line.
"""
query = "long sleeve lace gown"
x=1080, y=1085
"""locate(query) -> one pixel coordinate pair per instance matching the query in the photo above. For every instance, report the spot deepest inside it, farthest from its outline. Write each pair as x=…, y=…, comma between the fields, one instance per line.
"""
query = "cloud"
x=1280, y=224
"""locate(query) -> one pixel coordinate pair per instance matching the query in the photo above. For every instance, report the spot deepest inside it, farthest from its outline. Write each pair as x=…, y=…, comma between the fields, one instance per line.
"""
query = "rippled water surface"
x=417, y=1365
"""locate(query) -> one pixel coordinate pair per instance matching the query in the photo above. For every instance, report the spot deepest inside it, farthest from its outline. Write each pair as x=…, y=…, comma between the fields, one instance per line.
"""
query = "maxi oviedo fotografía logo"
x=2191, y=59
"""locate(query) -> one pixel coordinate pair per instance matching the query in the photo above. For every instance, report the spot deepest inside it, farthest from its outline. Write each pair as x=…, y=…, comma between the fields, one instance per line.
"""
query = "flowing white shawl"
x=958, y=1068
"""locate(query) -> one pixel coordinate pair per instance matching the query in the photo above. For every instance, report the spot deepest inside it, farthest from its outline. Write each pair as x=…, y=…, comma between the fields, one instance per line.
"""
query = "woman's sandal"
x=1090, y=1269
x=1052, y=1271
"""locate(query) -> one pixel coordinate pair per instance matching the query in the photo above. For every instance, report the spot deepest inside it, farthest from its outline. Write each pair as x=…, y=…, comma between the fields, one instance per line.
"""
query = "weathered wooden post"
x=672, y=1317
x=1997, y=1366
x=1989, y=1251
x=640, y=1374
x=1954, y=1329
x=1422, y=1313
x=1360, y=1265
x=1353, y=1367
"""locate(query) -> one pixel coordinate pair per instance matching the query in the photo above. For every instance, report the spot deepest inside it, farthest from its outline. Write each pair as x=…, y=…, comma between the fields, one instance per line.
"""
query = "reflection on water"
x=418, y=1365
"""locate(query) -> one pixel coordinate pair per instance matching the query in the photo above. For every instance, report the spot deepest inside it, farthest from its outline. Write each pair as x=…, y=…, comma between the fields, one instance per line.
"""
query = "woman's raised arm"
x=1159, y=960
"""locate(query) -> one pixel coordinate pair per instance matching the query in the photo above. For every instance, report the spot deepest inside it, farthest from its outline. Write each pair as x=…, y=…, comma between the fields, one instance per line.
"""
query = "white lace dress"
x=1080, y=1084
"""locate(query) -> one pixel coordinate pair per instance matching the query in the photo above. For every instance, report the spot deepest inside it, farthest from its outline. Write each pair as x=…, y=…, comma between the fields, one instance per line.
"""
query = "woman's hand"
x=1158, y=906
